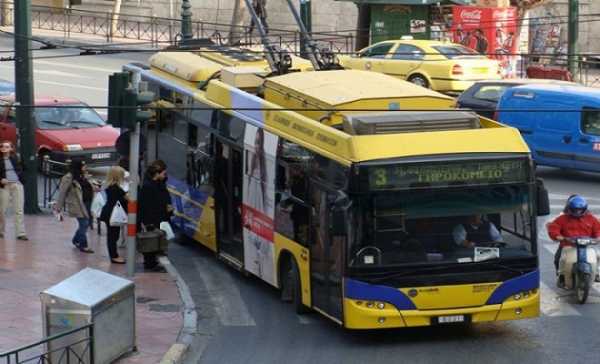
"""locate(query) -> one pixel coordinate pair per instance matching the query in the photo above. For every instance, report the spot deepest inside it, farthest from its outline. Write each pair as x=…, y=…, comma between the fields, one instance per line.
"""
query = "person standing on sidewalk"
x=114, y=193
x=155, y=206
x=11, y=188
x=73, y=192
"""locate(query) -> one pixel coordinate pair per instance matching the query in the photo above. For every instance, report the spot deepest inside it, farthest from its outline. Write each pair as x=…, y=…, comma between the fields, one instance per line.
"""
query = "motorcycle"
x=578, y=266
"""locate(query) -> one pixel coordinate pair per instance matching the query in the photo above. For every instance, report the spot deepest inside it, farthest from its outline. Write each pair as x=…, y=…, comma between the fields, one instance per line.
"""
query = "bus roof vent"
x=409, y=122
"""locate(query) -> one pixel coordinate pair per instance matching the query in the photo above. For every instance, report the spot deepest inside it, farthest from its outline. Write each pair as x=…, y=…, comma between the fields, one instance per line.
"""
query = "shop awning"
x=411, y=2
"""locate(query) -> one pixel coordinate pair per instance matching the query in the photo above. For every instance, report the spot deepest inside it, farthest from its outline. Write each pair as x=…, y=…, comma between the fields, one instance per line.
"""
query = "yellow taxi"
x=441, y=66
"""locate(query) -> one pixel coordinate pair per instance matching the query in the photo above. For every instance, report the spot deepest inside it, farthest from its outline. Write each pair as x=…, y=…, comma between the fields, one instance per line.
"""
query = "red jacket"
x=572, y=227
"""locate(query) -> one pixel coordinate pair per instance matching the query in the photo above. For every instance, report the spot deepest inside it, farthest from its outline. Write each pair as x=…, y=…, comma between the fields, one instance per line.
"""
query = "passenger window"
x=489, y=93
x=408, y=52
x=377, y=51
x=291, y=213
x=590, y=121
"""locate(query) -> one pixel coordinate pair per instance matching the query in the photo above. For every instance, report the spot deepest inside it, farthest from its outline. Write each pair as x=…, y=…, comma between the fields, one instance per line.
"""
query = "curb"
x=178, y=350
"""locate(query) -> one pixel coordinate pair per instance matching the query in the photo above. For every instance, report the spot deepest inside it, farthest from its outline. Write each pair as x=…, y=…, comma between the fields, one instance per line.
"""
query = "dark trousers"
x=150, y=260
x=112, y=235
x=557, y=257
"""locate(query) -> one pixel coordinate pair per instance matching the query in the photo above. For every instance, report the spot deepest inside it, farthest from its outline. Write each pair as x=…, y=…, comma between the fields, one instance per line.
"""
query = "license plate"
x=450, y=319
x=100, y=155
x=480, y=70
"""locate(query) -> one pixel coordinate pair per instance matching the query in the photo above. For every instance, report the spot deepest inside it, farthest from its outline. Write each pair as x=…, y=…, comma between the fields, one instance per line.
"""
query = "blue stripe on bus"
x=515, y=285
x=183, y=205
x=358, y=290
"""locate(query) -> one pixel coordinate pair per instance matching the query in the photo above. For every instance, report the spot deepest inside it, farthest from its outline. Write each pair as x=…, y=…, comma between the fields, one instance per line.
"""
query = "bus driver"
x=475, y=231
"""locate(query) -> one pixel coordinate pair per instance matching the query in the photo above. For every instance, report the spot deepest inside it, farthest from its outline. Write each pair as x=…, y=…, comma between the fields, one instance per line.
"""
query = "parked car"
x=560, y=123
x=64, y=133
x=483, y=96
x=6, y=88
x=441, y=66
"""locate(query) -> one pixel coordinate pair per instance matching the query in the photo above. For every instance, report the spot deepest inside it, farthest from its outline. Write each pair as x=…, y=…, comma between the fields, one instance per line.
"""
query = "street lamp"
x=186, y=21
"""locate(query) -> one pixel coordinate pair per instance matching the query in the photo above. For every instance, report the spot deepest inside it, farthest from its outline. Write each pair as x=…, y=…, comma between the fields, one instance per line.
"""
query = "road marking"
x=71, y=85
x=557, y=196
x=71, y=65
x=305, y=320
x=551, y=248
x=562, y=206
x=225, y=296
x=551, y=306
x=60, y=74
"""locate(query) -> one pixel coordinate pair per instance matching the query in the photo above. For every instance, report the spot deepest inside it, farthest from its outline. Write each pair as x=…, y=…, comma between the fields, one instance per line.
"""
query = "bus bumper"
x=381, y=315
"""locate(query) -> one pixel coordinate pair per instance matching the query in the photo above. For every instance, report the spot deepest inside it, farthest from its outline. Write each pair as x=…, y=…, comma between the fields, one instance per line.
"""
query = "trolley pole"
x=573, y=36
x=306, y=17
x=25, y=102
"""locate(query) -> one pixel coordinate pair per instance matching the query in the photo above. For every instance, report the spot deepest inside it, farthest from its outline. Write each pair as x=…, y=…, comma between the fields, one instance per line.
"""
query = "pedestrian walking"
x=155, y=206
x=114, y=194
x=75, y=194
x=11, y=188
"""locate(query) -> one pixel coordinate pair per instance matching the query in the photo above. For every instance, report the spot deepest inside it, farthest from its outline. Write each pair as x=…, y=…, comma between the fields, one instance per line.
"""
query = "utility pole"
x=573, y=36
x=25, y=102
x=186, y=21
x=306, y=17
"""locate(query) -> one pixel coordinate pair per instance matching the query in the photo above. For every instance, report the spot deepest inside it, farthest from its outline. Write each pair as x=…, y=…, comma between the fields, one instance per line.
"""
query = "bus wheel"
x=292, y=288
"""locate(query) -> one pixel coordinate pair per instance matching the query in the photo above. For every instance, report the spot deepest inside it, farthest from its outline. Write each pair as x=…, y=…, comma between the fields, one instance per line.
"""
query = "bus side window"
x=200, y=162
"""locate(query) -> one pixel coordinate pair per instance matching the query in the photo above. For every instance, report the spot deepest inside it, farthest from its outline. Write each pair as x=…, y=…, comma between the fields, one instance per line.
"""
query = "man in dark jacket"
x=154, y=206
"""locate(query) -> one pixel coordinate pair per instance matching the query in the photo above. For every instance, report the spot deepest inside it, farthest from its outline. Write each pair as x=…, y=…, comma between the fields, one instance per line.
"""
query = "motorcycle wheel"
x=582, y=286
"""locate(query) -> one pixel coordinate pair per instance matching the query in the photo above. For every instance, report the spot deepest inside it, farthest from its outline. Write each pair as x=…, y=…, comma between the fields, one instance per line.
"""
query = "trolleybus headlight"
x=370, y=304
x=381, y=320
x=517, y=297
x=359, y=303
x=518, y=310
x=381, y=305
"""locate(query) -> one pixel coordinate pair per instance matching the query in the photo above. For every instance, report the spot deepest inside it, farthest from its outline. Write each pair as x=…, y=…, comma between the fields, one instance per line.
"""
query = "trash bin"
x=91, y=296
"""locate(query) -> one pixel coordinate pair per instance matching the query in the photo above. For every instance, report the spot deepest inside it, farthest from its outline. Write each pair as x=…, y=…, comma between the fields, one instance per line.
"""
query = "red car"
x=64, y=133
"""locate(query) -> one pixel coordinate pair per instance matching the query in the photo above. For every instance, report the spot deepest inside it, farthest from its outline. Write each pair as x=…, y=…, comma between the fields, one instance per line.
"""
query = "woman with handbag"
x=73, y=194
x=155, y=206
x=115, y=198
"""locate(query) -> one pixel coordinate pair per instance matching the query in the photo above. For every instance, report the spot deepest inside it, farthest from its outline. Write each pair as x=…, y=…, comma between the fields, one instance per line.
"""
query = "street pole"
x=186, y=21
x=25, y=102
x=573, y=35
x=134, y=162
x=306, y=17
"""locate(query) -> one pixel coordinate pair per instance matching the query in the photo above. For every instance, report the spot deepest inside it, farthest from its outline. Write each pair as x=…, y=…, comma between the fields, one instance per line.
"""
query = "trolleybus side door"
x=326, y=255
x=228, y=201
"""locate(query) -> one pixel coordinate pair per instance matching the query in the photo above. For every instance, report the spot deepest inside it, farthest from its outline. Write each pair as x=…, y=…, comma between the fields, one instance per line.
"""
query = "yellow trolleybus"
x=374, y=219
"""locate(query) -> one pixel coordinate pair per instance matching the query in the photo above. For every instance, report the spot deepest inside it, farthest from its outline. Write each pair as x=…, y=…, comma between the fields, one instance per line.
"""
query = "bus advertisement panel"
x=258, y=211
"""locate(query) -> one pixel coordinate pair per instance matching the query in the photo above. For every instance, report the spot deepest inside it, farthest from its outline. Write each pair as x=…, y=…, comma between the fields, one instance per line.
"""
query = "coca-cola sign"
x=503, y=14
x=471, y=15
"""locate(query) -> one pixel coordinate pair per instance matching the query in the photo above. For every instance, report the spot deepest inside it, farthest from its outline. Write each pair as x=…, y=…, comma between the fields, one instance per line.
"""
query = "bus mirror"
x=543, y=201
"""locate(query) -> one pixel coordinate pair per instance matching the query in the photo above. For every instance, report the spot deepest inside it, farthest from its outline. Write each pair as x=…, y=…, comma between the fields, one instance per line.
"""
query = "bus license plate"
x=100, y=155
x=450, y=319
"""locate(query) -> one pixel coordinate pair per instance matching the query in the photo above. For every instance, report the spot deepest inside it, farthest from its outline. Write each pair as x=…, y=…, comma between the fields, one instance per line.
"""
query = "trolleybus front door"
x=325, y=257
x=228, y=201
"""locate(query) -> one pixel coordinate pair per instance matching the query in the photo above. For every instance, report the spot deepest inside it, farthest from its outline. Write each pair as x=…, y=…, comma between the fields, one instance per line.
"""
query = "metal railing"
x=160, y=32
x=80, y=351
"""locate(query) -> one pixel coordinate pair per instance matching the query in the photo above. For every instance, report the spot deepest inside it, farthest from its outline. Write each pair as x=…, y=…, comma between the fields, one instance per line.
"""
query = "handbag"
x=151, y=241
x=166, y=227
x=118, y=216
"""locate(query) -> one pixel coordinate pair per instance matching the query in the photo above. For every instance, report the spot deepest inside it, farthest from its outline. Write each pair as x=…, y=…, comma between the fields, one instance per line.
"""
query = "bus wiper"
x=415, y=271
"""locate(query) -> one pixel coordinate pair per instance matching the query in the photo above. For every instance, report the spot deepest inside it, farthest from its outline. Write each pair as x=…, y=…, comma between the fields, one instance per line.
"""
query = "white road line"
x=562, y=206
x=551, y=306
x=556, y=196
x=551, y=248
x=305, y=320
x=225, y=296
x=72, y=85
x=71, y=65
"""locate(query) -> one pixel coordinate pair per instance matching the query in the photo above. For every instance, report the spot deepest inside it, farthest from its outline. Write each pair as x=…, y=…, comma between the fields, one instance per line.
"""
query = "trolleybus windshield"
x=454, y=220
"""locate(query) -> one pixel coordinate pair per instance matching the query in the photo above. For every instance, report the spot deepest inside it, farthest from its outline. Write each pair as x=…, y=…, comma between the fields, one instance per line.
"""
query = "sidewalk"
x=29, y=267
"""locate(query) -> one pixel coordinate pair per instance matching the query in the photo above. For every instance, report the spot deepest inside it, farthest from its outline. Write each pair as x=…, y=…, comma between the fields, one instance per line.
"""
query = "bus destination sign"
x=468, y=173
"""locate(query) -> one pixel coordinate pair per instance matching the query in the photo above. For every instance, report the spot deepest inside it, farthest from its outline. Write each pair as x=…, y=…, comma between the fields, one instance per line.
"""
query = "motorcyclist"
x=575, y=221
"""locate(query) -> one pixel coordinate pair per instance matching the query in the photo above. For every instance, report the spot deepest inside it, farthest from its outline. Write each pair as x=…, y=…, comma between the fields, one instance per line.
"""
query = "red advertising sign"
x=490, y=31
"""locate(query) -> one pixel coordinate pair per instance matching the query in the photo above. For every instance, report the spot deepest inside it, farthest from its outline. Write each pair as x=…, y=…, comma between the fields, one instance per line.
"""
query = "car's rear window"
x=490, y=92
x=68, y=116
x=454, y=51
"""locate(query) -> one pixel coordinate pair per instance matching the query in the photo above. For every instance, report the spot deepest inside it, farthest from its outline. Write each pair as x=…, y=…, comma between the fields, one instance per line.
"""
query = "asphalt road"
x=241, y=319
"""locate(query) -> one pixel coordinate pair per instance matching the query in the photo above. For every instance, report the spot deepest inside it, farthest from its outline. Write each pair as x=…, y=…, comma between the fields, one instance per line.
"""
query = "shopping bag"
x=98, y=203
x=166, y=227
x=118, y=216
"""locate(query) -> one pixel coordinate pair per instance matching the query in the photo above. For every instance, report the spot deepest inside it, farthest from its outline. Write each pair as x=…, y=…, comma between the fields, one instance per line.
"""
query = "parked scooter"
x=578, y=267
